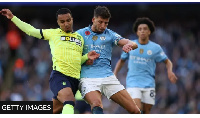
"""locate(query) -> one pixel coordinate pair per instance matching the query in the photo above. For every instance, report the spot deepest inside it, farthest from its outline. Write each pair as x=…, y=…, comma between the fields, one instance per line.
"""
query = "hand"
x=172, y=77
x=7, y=13
x=130, y=46
x=92, y=55
x=89, y=62
x=135, y=46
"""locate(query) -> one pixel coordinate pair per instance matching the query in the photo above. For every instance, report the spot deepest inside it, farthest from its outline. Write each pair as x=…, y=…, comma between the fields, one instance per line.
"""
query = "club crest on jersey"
x=94, y=38
x=103, y=38
x=149, y=52
x=141, y=51
x=87, y=32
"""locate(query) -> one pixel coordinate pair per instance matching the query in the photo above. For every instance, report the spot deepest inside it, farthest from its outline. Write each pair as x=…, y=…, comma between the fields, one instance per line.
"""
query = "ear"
x=149, y=32
x=93, y=19
x=58, y=23
x=137, y=33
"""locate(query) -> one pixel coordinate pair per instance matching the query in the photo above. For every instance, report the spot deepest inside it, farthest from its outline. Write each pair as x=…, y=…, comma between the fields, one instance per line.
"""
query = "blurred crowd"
x=26, y=63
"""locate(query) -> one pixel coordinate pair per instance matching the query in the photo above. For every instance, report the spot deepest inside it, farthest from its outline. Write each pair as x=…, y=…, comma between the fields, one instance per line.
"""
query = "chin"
x=68, y=31
x=100, y=31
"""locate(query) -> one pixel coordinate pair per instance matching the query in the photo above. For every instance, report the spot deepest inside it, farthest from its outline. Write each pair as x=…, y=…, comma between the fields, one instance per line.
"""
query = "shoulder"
x=50, y=32
x=52, y=29
x=154, y=44
x=134, y=40
x=113, y=33
x=77, y=34
x=83, y=29
x=110, y=31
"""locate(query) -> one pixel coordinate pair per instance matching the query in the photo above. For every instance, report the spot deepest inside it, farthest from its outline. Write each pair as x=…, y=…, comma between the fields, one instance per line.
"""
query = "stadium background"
x=25, y=62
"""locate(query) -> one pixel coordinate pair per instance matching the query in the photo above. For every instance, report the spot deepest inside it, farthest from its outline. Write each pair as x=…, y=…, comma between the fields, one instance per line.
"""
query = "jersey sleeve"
x=116, y=37
x=47, y=33
x=27, y=28
x=160, y=56
x=84, y=58
x=124, y=56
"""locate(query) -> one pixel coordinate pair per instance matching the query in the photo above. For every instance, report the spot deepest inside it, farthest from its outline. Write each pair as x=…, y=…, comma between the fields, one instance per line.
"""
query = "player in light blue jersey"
x=140, y=81
x=98, y=79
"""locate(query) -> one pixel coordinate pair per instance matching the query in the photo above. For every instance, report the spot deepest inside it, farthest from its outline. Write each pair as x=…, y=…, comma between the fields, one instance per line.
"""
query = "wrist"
x=134, y=45
x=13, y=17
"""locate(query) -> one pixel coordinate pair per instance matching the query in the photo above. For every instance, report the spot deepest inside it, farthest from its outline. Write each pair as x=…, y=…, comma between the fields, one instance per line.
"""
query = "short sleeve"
x=160, y=55
x=124, y=56
x=116, y=37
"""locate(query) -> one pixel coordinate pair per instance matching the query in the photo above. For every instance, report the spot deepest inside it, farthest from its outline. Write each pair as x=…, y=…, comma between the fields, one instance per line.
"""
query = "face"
x=99, y=24
x=65, y=21
x=143, y=31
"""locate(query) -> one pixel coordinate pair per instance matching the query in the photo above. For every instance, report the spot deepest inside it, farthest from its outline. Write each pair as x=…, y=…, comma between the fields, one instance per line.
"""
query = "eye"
x=106, y=23
x=100, y=22
x=62, y=21
x=68, y=20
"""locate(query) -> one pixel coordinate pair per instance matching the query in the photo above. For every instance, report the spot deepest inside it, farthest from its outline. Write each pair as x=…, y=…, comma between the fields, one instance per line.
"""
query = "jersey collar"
x=65, y=32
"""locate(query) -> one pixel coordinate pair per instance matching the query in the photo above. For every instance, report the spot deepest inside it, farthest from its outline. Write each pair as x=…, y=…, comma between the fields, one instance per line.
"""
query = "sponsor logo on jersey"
x=149, y=52
x=141, y=51
x=71, y=39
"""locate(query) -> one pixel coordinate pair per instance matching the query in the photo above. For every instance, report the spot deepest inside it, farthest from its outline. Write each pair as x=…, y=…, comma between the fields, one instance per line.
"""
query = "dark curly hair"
x=102, y=11
x=144, y=20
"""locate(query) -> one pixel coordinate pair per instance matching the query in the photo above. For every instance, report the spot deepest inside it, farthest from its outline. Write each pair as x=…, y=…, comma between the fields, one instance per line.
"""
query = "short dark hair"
x=102, y=11
x=144, y=20
x=63, y=11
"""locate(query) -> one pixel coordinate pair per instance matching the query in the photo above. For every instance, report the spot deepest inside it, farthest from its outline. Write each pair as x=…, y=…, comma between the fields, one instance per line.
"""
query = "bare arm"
x=118, y=66
x=172, y=77
x=127, y=45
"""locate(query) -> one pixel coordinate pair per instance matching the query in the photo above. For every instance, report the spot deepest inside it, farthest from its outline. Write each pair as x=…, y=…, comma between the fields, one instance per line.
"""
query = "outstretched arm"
x=118, y=66
x=172, y=77
x=127, y=45
x=28, y=29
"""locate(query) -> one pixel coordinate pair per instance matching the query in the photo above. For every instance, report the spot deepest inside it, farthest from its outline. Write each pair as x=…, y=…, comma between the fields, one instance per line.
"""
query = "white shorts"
x=147, y=95
x=107, y=86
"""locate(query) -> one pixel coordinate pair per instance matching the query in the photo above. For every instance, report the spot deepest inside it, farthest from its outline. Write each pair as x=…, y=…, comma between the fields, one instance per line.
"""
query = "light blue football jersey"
x=142, y=64
x=102, y=44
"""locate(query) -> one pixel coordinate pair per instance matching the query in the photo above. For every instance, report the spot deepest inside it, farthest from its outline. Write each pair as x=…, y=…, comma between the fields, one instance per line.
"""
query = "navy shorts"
x=59, y=81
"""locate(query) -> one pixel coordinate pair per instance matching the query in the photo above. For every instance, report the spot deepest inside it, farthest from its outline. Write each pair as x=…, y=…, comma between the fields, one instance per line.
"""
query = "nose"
x=103, y=25
x=65, y=23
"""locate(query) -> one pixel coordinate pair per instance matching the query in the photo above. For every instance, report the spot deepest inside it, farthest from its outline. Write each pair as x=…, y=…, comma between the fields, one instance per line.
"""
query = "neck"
x=143, y=41
x=93, y=29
